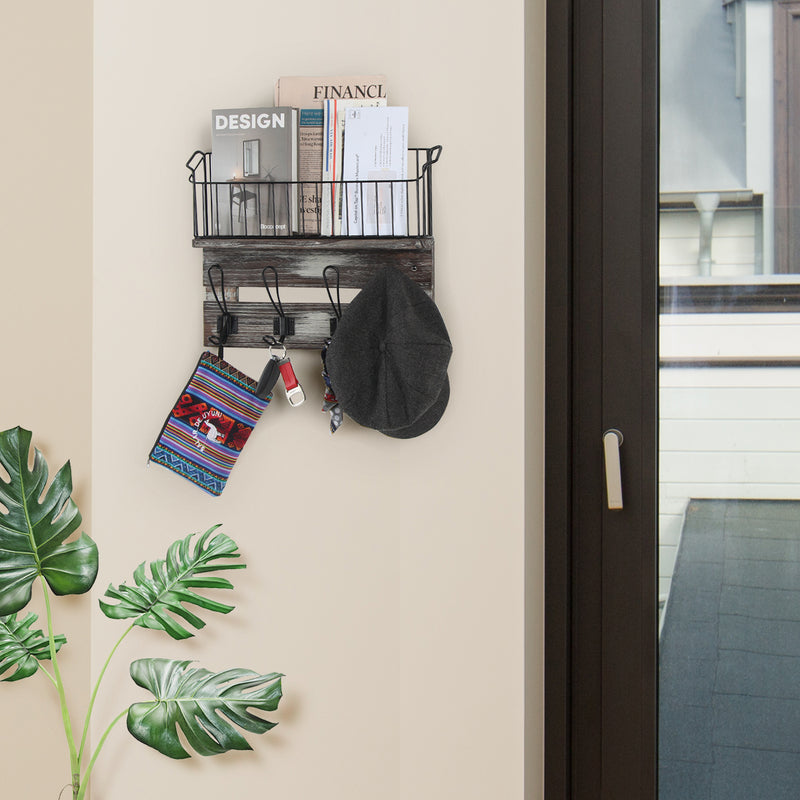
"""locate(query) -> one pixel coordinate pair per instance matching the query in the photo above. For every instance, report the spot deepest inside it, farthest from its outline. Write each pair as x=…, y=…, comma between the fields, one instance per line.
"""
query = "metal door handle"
x=612, y=439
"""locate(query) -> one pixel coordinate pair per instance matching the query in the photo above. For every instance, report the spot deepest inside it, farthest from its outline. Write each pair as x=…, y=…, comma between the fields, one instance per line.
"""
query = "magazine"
x=254, y=157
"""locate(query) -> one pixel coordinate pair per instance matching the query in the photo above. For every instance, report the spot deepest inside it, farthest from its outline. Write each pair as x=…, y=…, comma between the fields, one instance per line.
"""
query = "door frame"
x=601, y=372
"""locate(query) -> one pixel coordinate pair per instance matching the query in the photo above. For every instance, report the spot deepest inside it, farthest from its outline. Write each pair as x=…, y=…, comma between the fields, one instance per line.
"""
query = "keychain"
x=268, y=379
x=294, y=391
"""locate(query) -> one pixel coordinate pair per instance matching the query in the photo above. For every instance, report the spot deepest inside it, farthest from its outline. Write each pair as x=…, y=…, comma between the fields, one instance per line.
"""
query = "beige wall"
x=45, y=327
x=386, y=579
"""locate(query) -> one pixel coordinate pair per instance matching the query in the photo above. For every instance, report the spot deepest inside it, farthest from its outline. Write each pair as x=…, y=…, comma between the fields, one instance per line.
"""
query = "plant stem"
x=94, y=693
x=62, y=698
x=85, y=781
x=47, y=673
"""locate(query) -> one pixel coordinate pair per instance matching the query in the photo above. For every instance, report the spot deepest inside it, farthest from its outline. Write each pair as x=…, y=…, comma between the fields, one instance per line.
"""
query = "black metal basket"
x=309, y=209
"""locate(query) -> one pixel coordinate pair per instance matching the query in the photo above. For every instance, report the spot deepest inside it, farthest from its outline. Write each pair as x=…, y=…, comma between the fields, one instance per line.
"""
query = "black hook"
x=336, y=306
x=283, y=326
x=226, y=322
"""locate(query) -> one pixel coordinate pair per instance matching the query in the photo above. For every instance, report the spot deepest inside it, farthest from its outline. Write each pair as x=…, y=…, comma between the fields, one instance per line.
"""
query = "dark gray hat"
x=427, y=420
x=387, y=360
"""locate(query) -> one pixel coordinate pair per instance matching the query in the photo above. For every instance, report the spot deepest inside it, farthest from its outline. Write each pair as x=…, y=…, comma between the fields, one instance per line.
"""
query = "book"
x=308, y=93
x=332, y=144
x=374, y=171
x=254, y=159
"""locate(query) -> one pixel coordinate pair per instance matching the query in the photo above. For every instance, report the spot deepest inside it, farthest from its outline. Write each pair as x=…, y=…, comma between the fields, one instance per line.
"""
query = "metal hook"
x=226, y=322
x=336, y=306
x=277, y=306
x=283, y=325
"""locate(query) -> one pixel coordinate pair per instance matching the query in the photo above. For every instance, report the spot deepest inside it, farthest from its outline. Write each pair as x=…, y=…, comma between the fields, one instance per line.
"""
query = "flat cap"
x=387, y=360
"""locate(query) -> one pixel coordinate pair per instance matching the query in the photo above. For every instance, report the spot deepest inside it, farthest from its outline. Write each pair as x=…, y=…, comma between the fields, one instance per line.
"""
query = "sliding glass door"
x=729, y=377
x=673, y=408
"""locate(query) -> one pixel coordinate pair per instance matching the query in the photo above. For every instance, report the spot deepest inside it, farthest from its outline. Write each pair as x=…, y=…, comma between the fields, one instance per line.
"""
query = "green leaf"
x=202, y=704
x=22, y=647
x=154, y=599
x=35, y=528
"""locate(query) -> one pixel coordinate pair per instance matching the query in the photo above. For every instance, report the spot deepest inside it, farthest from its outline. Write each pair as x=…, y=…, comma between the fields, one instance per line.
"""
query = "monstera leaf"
x=170, y=584
x=202, y=704
x=22, y=647
x=35, y=528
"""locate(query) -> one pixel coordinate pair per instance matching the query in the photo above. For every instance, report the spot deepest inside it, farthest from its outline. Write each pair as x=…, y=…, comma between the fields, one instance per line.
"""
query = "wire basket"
x=368, y=209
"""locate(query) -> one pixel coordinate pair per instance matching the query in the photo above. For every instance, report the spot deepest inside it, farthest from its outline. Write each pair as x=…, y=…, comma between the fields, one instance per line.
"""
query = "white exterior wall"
x=733, y=249
x=725, y=432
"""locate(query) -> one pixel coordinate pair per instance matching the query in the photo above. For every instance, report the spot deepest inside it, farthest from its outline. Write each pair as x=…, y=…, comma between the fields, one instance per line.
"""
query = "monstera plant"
x=38, y=545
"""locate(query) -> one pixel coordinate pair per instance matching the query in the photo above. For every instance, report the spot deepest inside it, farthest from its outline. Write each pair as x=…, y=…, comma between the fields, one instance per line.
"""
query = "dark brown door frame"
x=601, y=368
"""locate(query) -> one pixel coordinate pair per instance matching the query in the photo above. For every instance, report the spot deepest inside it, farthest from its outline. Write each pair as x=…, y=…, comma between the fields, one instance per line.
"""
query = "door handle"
x=612, y=439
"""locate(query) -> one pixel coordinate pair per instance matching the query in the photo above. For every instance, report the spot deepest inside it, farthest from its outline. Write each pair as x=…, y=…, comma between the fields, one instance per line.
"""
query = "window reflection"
x=729, y=188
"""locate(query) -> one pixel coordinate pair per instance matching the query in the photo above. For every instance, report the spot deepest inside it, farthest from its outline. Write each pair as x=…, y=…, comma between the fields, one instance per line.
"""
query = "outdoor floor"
x=729, y=703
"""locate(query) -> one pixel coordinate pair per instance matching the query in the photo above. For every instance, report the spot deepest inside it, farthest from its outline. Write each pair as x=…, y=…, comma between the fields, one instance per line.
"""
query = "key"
x=294, y=392
x=268, y=379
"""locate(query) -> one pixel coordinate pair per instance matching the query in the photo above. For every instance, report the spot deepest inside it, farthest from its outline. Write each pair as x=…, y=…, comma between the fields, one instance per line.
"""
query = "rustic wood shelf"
x=299, y=264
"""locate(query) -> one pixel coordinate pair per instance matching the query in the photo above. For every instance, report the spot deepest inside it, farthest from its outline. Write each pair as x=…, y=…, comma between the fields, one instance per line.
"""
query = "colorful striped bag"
x=209, y=425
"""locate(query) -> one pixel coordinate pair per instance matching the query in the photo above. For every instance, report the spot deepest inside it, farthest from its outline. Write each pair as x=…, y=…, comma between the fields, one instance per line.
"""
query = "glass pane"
x=729, y=495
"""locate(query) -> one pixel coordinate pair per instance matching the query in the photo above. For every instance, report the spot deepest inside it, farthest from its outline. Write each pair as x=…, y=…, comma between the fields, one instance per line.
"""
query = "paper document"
x=332, y=137
x=375, y=152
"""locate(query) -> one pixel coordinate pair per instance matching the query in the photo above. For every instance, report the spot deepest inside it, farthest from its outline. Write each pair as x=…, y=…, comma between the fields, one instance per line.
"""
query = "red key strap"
x=287, y=372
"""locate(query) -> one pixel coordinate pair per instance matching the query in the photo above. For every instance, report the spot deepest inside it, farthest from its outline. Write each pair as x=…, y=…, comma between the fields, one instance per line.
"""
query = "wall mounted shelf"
x=299, y=261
